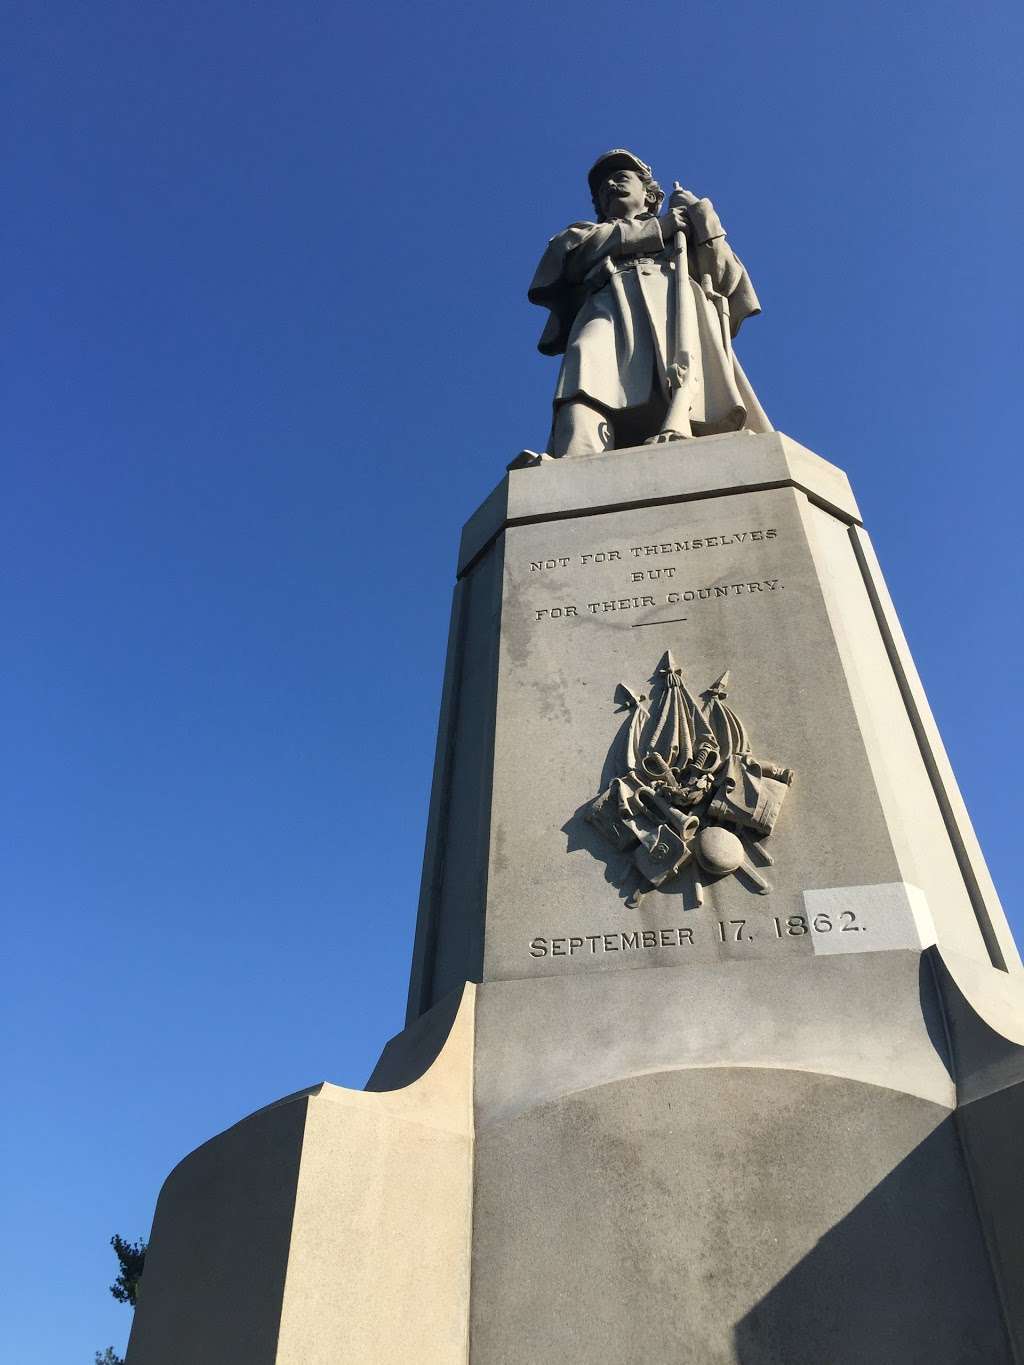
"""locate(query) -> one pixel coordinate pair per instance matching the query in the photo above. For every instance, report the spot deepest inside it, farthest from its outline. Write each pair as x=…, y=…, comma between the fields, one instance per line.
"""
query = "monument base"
x=794, y=1161
x=331, y=1226
x=743, y=1079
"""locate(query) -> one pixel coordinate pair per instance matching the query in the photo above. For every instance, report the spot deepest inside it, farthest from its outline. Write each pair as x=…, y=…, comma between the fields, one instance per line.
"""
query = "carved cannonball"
x=719, y=850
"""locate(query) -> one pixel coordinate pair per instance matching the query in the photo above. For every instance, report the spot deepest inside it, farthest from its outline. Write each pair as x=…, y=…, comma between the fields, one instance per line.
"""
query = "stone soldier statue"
x=644, y=309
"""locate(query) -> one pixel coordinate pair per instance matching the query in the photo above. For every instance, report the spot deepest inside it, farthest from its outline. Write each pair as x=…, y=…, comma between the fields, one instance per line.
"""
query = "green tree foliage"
x=131, y=1257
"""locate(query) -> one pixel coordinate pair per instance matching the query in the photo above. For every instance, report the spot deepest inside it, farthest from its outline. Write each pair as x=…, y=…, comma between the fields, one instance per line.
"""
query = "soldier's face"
x=621, y=194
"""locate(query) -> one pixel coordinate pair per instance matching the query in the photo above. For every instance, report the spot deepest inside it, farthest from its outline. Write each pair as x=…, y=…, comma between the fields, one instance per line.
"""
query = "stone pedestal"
x=769, y=1115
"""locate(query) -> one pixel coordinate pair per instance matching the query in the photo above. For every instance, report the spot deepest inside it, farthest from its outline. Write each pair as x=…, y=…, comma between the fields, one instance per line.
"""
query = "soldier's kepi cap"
x=615, y=160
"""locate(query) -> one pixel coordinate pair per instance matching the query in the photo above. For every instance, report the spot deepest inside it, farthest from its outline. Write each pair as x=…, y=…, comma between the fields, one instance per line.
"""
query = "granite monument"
x=715, y=1040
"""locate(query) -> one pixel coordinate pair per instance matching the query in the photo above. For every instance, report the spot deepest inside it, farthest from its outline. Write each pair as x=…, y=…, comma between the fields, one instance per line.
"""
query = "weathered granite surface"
x=793, y=1138
x=735, y=1163
x=331, y=1226
x=744, y=553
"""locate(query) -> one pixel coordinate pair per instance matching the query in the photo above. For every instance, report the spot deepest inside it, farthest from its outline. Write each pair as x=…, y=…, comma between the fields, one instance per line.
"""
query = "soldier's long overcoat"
x=610, y=289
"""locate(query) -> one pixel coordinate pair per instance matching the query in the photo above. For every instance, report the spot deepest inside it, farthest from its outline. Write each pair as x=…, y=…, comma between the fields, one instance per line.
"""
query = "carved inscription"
x=713, y=591
x=724, y=590
x=731, y=931
x=796, y=925
x=633, y=561
x=563, y=561
x=620, y=941
x=671, y=547
x=663, y=547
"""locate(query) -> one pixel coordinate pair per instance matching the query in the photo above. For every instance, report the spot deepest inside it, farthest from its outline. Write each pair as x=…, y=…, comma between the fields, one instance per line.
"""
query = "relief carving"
x=690, y=795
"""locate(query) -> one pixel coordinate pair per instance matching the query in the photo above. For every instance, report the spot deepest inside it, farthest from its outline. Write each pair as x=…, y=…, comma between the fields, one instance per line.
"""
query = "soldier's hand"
x=675, y=220
x=682, y=199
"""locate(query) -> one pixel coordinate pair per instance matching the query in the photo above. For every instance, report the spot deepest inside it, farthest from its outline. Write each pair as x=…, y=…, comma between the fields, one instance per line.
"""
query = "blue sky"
x=266, y=347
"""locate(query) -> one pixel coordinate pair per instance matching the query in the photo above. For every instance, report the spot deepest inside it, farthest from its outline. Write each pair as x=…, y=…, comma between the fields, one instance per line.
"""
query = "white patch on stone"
x=863, y=919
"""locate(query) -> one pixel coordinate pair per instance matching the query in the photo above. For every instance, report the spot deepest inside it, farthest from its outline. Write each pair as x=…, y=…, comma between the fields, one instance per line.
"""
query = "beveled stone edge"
x=593, y=995
x=993, y=926
x=493, y=516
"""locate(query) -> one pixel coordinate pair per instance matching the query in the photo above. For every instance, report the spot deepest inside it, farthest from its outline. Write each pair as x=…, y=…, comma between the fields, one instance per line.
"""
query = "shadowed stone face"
x=622, y=194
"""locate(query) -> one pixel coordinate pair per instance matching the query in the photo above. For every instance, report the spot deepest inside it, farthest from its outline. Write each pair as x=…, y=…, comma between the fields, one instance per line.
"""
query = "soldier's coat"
x=610, y=289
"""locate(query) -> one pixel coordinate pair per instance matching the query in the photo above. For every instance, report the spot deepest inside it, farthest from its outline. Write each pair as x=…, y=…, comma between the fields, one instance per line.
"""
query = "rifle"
x=676, y=426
